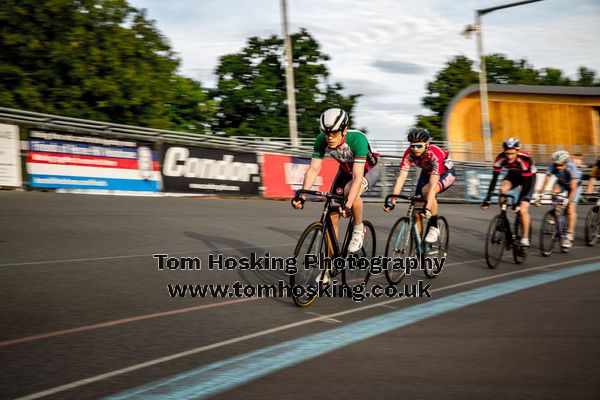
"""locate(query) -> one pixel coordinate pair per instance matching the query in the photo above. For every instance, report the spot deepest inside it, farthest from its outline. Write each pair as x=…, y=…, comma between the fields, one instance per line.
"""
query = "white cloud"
x=357, y=34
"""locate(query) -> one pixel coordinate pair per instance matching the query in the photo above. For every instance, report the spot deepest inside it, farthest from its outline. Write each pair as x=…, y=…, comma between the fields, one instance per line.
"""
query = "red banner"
x=283, y=175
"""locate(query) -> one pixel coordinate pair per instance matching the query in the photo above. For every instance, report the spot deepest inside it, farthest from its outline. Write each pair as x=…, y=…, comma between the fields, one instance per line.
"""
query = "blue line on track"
x=220, y=376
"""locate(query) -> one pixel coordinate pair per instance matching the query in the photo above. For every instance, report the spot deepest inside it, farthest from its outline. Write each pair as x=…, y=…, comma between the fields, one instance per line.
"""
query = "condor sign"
x=210, y=171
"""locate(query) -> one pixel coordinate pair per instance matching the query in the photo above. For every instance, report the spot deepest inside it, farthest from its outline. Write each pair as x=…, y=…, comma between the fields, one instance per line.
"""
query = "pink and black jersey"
x=434, y=161
x=523, y=163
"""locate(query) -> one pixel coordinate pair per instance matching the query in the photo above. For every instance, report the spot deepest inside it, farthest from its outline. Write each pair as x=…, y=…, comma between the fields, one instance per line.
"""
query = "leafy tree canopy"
x=251, y=88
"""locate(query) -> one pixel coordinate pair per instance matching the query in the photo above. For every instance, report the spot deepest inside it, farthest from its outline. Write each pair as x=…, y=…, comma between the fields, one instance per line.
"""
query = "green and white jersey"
x=354, y=149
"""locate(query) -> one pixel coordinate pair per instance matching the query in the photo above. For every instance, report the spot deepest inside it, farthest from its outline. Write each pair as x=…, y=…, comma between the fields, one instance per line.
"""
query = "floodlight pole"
x=289, y=77
x=483, y=90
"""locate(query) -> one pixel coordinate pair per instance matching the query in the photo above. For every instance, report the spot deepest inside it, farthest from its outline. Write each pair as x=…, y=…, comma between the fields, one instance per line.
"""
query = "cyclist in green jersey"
x=358, y=171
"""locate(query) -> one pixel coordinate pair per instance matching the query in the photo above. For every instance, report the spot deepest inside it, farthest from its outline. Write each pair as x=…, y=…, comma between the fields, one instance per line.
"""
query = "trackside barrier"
x=169, y=161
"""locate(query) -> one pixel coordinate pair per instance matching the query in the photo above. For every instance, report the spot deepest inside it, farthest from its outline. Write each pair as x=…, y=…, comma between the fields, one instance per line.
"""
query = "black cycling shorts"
x=516, y=179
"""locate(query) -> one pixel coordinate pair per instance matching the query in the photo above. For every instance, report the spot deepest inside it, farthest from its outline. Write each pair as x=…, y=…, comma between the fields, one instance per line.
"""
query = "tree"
x=191, y=108
x=586, y=77
x=96, y=59
x=251, y=89
x=458, y=74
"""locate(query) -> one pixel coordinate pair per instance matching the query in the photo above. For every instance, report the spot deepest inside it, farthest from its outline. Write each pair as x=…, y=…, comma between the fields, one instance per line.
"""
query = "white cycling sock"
x=359, y=227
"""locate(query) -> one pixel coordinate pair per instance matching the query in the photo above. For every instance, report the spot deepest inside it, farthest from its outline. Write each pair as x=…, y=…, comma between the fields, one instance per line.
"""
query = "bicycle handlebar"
x=410, y=198
x=593, y=194
x=507, y=196
x=320, y=194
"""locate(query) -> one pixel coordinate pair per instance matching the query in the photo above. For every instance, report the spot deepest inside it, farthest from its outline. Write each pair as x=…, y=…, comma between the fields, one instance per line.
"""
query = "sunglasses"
x=417, y=146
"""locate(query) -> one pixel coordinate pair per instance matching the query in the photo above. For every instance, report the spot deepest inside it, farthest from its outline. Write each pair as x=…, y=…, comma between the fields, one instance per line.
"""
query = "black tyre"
x=314, y=243
x=439, y=249
x=548, y=233
x=592, y=226
x=400, y=244
x=495, y=241
x=358, y=276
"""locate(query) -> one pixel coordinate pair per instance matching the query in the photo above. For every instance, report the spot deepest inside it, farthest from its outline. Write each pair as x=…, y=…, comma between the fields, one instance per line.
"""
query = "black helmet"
x=418, y=135
x=333, y=120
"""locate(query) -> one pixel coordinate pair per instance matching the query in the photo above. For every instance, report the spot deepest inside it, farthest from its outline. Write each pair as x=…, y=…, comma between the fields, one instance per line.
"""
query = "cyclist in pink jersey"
x=437, y=175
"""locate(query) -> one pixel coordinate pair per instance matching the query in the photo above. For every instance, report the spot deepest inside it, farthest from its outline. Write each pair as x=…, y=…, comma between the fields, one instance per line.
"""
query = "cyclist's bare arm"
x=398, y=186
x=309, y=179
x=312, y=173
x=538, y=202
x=592, y=180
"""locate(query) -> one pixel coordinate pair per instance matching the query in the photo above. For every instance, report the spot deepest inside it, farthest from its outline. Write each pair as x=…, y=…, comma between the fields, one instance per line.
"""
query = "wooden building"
x=544, y=118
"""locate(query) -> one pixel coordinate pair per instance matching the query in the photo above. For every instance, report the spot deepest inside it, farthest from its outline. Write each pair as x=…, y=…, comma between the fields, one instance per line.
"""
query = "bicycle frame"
x=328, y=228
x=413, y=220
x=558, y=207
x=510, y=238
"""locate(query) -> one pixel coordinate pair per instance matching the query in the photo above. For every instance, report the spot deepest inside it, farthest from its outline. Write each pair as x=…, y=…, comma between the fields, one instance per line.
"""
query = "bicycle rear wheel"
x=592, y=226
x=548, y=233
x=494, y=242
x=400, y=244
x=305, y=282
x=439, y=249
x=357, y=276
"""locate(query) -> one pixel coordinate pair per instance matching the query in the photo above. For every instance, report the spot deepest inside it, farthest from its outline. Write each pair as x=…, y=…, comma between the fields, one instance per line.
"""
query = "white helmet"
x=333, y=120
x=560, y=157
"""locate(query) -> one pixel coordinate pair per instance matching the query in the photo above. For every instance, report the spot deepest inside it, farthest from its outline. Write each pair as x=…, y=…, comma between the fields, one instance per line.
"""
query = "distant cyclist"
x=568, y=179
x=437, y=175
x=358, y=171
x=521, y=172
x=594, y=175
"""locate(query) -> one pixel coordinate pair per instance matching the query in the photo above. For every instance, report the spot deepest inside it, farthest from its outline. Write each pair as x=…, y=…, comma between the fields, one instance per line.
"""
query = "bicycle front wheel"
x=439, y=249
x=358, y=275
x=592, y=226
x=548, y=233
x=400, y=244
x=304, y=283
x=494, y=243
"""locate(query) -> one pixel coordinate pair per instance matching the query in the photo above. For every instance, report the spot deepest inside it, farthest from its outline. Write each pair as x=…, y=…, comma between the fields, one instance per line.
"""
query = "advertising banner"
x=10, y=157
x=282, y=175
x=187, y=169
x=73, y=161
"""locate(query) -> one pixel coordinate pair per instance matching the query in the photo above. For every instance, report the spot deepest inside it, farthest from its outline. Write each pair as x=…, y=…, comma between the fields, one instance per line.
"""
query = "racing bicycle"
x=554, y=225
x=501, y=236
x=319, y=240
x=407, y=239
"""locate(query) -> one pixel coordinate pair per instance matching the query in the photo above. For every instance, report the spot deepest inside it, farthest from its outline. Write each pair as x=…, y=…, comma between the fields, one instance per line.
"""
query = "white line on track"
x=144, y=255
x=238, y=339
x=136, y=318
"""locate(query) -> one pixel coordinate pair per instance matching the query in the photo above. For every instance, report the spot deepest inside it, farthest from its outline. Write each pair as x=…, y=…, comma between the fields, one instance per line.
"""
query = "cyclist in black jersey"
x=521, y=172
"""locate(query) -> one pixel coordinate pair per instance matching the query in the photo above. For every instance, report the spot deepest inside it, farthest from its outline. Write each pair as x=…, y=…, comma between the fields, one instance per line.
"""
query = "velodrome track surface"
x=85, y=313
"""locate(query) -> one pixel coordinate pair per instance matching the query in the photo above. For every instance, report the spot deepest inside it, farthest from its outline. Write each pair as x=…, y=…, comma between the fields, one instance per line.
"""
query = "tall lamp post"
x=289, y=77
x=483, y=92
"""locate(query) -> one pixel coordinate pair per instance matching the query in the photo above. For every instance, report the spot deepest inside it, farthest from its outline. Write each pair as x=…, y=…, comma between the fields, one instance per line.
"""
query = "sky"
x=386, y=50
